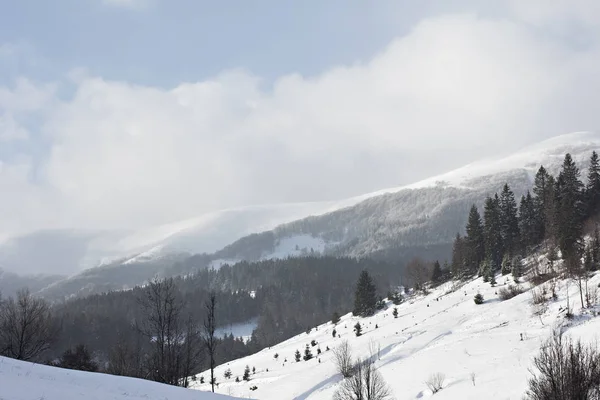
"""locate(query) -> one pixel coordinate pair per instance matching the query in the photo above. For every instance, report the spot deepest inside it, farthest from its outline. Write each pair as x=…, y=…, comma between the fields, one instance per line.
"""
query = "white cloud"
x=135, y=4
x=452, y=90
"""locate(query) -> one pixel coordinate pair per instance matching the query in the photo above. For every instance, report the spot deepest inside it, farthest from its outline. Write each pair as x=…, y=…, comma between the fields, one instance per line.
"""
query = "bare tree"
x=366, y=383
x=566, y=371
x=435, y=383
x=162, y=326
x=27, y=328
x=210, y=341
x=342, y=355
x=418, y=273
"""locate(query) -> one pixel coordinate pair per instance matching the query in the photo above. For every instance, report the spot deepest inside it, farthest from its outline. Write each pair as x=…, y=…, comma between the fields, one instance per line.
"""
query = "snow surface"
x=441, y=332
x=20, y=380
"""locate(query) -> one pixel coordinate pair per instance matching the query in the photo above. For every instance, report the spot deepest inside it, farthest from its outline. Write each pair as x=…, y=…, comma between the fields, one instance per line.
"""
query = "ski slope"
x=20, y=380
x=477, y=347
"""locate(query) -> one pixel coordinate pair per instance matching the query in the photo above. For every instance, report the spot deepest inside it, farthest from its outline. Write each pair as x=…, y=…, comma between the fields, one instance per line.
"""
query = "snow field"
x=477, y=347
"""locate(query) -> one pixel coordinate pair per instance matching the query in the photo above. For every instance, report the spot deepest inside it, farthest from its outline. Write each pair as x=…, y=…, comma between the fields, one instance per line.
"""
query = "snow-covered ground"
x=21, y=380
x=477, y=347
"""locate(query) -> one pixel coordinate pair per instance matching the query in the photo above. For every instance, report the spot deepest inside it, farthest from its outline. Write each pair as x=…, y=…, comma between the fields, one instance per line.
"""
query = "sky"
x=124, y=114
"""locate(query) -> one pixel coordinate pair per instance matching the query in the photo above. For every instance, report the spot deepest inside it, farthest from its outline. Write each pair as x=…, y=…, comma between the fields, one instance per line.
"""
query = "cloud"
x=133, y=4
x=452, y=90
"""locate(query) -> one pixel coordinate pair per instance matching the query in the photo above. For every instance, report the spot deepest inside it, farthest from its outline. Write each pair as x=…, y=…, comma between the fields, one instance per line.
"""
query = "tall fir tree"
x=595, y=245
x=528, y=223
x=543, y=190
x=365, y=298
x=436, y=274
x=492, y=232
x=458, y=257
x=570, y=211
x=509, y=221
x=550, y=211
x=475, y=243
x=592, y=190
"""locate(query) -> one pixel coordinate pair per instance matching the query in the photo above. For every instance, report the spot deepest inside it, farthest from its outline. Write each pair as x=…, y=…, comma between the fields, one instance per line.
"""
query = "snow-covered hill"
x=477, y=347
x=21, y=380
x=420, y=219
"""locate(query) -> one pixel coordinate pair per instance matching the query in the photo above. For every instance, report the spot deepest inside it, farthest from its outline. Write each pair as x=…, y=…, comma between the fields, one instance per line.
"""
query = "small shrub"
x=333, y=333
x=509, y=292
x=237, y=379
x=478, y=299
x=253, y=388
x=313, y=343
x=276, y=356
x=202, y=380
x=435, y=383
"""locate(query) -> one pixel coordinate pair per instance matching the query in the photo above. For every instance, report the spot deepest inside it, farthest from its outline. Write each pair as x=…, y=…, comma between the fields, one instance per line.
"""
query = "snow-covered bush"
x=435, y=383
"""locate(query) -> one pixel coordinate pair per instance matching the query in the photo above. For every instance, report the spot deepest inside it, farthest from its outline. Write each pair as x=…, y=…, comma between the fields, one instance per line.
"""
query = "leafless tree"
x=27, y=328
x=566, y=371
x=342, y=355
x=172, y=358
x=418, y=272
x=210, y=341
x=435, y=383
x=366, y=383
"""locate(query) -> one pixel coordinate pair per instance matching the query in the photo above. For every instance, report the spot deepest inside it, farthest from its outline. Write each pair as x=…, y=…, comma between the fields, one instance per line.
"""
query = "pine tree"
x=543, y=190
x=595, y=245
x=592, y=191
x=307, y=353
x=570, y=211
x=436, y=274
x=475, y=243
x=528, y=222
x=297, y=356
x=365, y=299
x=506, y=265
x=486, y=270
x=358, y=329
x=395, y=312
x=493, y=232
x=458, y=257
x=509, y=221
x=246, y=376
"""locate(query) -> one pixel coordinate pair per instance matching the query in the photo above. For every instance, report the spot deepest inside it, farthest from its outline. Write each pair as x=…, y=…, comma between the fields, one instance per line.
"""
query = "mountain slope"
x=20, y=380
x=477, y=347
x=394, y=224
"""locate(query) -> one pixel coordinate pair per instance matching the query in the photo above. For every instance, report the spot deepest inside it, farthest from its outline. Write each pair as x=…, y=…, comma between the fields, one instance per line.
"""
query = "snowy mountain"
x=20, y=380
x=399, y=223
x=484, y=351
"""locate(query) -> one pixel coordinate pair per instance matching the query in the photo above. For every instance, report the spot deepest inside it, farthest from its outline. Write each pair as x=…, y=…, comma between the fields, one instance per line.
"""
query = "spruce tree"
x=458, y=257
x=595, y=249
x=357, y=329
x=492, y=232
x=570, y=211
x=528, y=222
x=543, y=189
x=509, y=221
x=297, y=356
x=395, y=312
x=475, y=243
x=365, y=298
x=246, y=376
x=436, y=274
x=592, y=191
x=307, y=353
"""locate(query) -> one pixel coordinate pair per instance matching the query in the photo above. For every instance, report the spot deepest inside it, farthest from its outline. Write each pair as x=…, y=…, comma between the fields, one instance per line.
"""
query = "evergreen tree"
x=475, y=243
x=246, y=376
x=588, y=260
x=595, y=249
x=570, y=211
x=297, y=356
x=486, y=270
x=506, y=265
x=528, y=222
x=395, y=312
x=550, y=204
x=358, y=329
x=436, y=274
x=509, y=221
x=365, y=299
x=458, y=257
x=592, y=191
x=307, y=353
x=543, y=190
x=493, y=232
